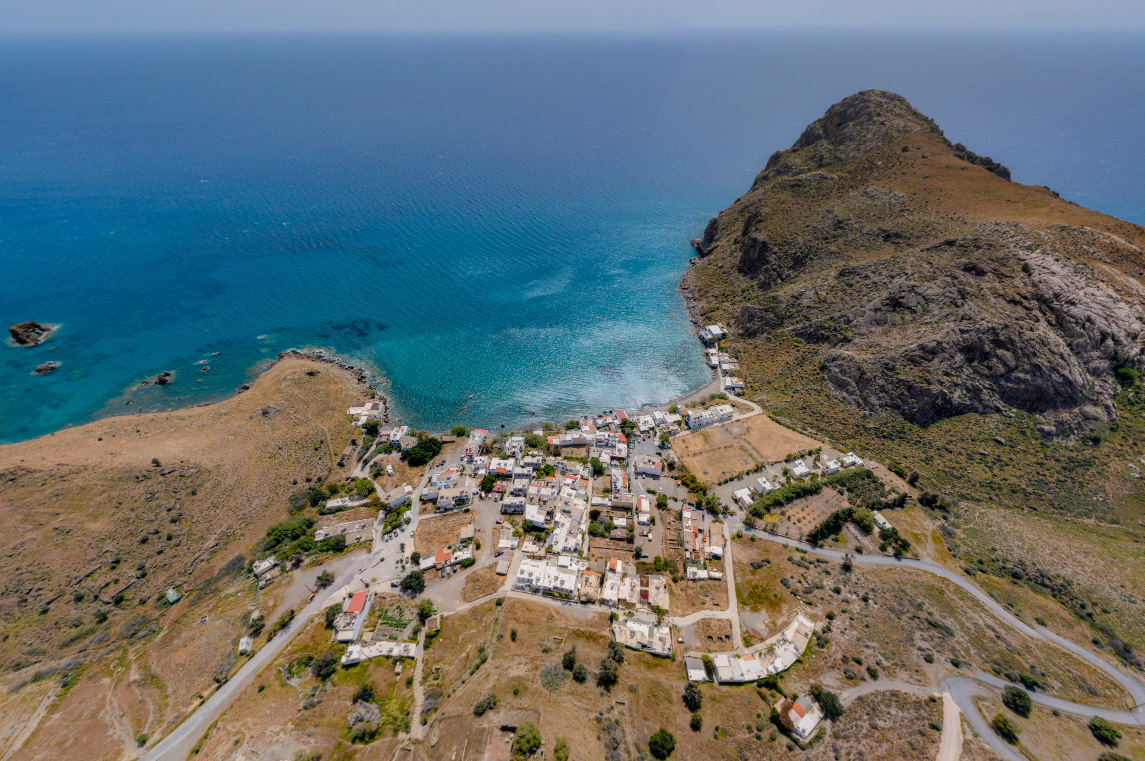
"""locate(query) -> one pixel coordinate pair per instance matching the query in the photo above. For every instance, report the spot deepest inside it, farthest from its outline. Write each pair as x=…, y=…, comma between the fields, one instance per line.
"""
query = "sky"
x=608, y=16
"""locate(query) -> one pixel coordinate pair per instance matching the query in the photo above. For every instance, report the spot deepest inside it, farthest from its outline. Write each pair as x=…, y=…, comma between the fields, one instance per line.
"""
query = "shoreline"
x=373, y=382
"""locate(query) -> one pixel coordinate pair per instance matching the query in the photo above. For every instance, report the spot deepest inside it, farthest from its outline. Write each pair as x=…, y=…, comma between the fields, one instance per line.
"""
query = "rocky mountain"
x=929, y=284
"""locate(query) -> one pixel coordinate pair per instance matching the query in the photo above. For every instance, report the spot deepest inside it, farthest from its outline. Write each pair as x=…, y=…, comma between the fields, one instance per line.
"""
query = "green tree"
x=693, y=698
x=1104, y=732
x=580, y=673
x=828, y=701
x=569, y=659
x=488, y=482
x=661, y=744
x=324, y=666
x=325, y=579
x=697, y=722
x=413, y=582
x=415, y=557
x=424, y=609
x=609, y=673
x=1018, y=701
x=526, y=740
x=459, y=431
x=664, y=439
x=597, y=467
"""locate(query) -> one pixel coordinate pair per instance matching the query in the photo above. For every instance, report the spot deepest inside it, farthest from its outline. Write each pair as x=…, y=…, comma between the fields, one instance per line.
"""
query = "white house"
x=763, y=486
x=804, y=716
x=851, y=460
x=831, y=466
x=743, y=497
x=798, y=469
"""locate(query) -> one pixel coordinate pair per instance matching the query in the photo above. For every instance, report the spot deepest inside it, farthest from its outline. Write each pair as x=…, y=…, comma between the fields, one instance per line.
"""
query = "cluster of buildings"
x=697, y=418
x=774, y=476
x=701, y=544
x=663, y=422
x=597, y=582
x=449, y=489
x=648, y=636
x=354, y=531
x=772, y=656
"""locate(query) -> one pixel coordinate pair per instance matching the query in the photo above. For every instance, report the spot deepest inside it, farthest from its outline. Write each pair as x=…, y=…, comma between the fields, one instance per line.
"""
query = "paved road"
x=1129, y=683
x=177, y=745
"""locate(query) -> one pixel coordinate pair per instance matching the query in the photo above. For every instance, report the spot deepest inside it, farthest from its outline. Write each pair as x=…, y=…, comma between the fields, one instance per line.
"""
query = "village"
x=581, y=514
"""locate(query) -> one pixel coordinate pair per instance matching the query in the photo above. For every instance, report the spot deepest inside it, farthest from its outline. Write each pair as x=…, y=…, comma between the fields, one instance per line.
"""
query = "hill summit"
x=927, y=282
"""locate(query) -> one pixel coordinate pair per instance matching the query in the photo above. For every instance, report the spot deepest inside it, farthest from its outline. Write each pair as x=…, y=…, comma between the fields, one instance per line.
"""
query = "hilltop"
x=930, y=284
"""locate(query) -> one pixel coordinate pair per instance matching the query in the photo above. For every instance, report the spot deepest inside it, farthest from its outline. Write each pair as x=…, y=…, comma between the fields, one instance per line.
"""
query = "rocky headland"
x=927, y=283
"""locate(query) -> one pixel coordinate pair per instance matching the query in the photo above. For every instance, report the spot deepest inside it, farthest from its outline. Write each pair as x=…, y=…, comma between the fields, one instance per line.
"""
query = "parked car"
x=395, y=583
x=498, y=553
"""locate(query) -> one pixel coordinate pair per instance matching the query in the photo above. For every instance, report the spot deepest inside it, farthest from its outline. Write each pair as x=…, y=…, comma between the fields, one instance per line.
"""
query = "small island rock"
x=46, y=368
x=29, y=333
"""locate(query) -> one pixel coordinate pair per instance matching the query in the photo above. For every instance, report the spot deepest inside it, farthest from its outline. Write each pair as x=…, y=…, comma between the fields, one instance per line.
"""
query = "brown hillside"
x=86, y=513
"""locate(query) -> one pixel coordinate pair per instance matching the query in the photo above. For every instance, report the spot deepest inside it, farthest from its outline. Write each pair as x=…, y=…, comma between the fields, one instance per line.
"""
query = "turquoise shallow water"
x=497, y=224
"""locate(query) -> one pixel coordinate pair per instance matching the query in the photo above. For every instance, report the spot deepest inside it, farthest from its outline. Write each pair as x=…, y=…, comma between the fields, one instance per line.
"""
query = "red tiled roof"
x=442, y=556
x=358, y=602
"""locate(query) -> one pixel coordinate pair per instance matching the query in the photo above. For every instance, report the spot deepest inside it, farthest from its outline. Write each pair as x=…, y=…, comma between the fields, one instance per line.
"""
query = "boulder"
x=46, y=368
x=29, y=333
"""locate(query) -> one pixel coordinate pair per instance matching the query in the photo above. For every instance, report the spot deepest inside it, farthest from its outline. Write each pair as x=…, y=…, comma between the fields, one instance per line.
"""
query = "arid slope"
x=97, y=522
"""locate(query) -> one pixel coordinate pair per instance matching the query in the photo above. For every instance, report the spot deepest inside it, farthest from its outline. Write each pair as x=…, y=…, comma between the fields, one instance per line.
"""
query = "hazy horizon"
x=19, y=17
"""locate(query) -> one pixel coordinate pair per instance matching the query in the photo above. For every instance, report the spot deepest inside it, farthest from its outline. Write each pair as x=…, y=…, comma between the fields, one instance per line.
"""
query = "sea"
x=496, y=224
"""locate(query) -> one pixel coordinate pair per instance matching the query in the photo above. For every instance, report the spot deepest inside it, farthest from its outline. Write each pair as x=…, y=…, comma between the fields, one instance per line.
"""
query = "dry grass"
x=713, y=454
x=253, y=727
x=89, y=494
x=772, y=440
x=481, y=582
x=440, y=531
x=1062, y=738
x=687, y=597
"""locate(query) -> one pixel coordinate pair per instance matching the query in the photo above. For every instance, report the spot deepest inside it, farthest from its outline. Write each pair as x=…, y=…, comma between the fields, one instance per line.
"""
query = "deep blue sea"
x=497, y=224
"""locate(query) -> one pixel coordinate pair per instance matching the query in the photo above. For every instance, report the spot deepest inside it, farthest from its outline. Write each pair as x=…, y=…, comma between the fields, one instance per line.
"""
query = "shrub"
x=609, y=673
x=325, y=579
x=1018, y=701
x=697, y=722
x=526, y=741
x=333, y=544
x=580, y=673
x=332, y=613
x=1111, y=756
x=324, y=666
x=467, y=563
x=1005, y=729
x=568, y=660
x=424, y=610
x=486, y=704
x=693, y=698
x=661, y=744
x=364, y=694
x=561, y=749
x=1104, y=732
x=552, y=676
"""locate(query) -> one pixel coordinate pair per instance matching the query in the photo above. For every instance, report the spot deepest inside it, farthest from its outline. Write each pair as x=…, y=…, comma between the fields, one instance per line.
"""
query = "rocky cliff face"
x=931, y=285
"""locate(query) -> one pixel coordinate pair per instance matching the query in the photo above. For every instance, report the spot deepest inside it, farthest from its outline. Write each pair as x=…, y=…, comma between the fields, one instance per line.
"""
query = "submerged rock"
x=46, y=368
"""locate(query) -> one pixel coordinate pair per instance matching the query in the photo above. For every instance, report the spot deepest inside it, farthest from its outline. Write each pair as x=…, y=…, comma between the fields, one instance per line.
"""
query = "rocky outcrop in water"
x=29, y=333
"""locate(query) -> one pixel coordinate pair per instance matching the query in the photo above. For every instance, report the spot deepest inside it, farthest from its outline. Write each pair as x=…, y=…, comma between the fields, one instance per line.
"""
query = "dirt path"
x=951, y=746
x=416, y=728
